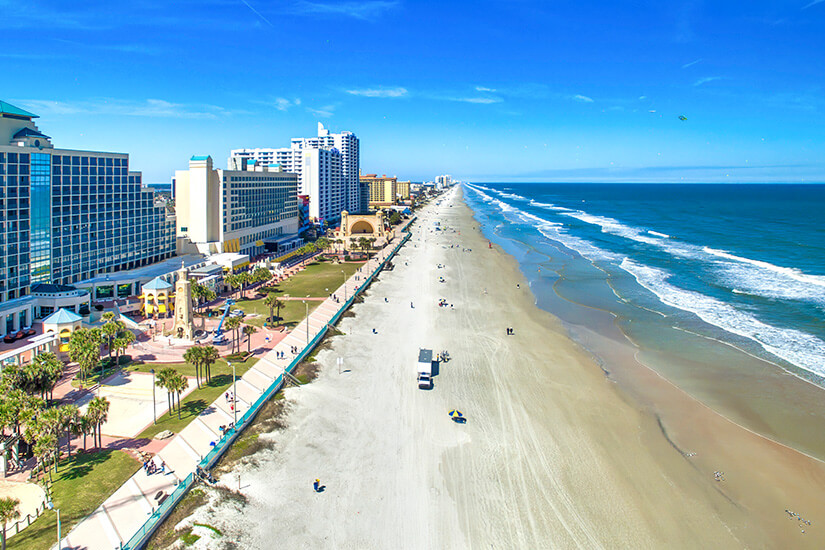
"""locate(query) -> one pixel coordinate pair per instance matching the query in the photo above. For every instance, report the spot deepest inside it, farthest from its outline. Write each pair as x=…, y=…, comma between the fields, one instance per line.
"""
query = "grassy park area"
x=257, y=312
x=194, y=403
x=80, y=486
x=317, y=278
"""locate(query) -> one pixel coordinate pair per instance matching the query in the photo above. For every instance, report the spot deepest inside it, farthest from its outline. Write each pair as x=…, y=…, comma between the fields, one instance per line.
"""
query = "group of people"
x=153, y=465
x=510, y=331
x=802, y=521
x=719, y=476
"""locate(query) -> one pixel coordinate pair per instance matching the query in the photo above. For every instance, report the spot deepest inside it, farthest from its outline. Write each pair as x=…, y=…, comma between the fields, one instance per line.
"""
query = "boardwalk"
x=124, y=513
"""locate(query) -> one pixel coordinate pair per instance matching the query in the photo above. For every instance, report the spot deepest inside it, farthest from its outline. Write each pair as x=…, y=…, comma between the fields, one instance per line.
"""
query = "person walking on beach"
x=316, y=485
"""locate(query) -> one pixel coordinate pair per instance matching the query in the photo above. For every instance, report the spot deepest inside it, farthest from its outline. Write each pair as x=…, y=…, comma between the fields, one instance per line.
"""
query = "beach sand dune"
x=553, y=454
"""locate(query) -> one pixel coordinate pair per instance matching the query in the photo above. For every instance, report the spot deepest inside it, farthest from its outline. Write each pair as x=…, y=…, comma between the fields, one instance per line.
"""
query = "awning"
x=149, y=309
x=161, y=308
x=259, y=243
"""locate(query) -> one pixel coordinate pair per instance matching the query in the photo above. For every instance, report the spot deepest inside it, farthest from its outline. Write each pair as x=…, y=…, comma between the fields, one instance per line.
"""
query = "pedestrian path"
x=124, y=513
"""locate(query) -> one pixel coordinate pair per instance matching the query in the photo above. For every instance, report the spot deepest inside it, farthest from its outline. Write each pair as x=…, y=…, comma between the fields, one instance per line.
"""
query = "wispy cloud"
x=366, y=10
x=256, y=12
x=477, y=100
x=281, y=103
x=814, y=3
x=379, y=92
x=695, y=61
x=581, y=98
x=706, y=79
x=641, y=97
x=484, y=89
x=157, y=108
x=324, y=112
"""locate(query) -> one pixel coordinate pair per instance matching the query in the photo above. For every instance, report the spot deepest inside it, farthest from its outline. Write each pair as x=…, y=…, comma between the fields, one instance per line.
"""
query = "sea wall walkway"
x=129, y=516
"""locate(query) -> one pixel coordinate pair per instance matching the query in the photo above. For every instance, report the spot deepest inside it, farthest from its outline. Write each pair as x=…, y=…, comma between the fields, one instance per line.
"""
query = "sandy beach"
x=555, y=454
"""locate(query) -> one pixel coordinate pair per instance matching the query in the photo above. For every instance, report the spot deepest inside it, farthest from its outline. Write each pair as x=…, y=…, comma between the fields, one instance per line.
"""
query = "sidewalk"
x=125, y=512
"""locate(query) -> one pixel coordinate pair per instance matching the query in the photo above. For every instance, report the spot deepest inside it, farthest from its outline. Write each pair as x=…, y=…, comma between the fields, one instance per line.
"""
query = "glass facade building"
x=68, y=215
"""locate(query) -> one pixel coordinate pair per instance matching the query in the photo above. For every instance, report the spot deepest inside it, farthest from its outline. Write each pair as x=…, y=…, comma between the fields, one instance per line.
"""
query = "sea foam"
x=798, y=348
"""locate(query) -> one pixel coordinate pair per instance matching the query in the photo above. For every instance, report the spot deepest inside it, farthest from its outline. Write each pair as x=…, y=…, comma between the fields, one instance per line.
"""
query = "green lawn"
x=292, y=314
x=317, y=278
x=194, y=403
x=80, y=486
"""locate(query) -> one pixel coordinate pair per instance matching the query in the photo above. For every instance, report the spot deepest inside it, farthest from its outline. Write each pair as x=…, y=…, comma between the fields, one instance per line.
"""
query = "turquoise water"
x=738, y=264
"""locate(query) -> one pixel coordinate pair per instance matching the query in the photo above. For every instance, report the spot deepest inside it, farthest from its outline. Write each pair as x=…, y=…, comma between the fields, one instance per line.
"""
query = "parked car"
x=237, y=313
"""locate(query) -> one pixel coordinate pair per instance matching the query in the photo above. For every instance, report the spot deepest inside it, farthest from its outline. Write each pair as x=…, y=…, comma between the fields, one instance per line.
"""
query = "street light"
x=154, y=406
x=306, y=303
x=50, y=505
x=234, y=397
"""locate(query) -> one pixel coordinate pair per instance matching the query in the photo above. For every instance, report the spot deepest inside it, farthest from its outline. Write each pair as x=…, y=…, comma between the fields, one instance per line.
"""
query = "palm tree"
x=232, y=281
x=123, y=341
x=44, y=451
x=210, y=357
x=273, y=303
x=50, y=424
x=249, y=330
x=9, y=510
x=69, y=418
x=110, y=329
x=244, y=278
x=261, y=275
x=84, y=349
x=179, y=385
x=99, y=412
x=233, y=323
x=322, y=243
x=85, y=427
x=51, y=371
x=164, y=380
x=194, y=356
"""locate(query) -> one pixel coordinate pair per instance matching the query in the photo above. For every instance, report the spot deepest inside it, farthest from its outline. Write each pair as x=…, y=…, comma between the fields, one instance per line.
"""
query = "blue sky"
x=486, y=91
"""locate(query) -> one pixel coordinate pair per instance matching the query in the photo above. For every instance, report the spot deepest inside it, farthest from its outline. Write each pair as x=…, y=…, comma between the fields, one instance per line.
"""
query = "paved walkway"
x=125, y=512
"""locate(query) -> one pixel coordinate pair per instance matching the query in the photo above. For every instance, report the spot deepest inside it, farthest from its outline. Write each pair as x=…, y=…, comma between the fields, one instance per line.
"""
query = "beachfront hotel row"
x=80, y=228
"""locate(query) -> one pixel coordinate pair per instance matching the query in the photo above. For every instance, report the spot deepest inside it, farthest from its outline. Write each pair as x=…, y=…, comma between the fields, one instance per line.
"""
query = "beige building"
x=403, y=190
x=251, y=210
x=383, y=190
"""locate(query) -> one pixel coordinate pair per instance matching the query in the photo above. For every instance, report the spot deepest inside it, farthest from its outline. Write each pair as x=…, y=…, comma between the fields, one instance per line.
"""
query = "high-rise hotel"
x=65, y=216
x=327, y=168
x=251, y=209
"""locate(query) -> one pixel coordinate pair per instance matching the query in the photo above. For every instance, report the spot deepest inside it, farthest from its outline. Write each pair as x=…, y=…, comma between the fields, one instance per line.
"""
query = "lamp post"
x=50, y=505
x=345, y=284
x=154, y=406
x=234, y=397
x=306, y=303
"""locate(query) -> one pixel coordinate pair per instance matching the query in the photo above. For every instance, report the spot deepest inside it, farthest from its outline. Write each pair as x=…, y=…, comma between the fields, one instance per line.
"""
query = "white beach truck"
x=425, y=369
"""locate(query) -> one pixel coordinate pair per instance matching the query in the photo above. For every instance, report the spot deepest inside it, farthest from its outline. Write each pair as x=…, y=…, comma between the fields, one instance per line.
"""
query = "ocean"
x=704, y=280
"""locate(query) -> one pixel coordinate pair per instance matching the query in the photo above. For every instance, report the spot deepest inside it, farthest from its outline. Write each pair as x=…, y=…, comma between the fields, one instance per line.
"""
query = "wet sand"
x=555, y=454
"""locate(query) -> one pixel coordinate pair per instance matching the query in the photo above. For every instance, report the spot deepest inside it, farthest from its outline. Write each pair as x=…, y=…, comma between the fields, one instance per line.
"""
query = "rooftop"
x=61, y=316
x=157, y=284
x=9, y=109
x=147, y=272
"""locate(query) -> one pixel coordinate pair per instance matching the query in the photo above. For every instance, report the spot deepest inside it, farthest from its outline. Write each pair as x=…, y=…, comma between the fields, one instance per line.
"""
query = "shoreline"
x=555, y=453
